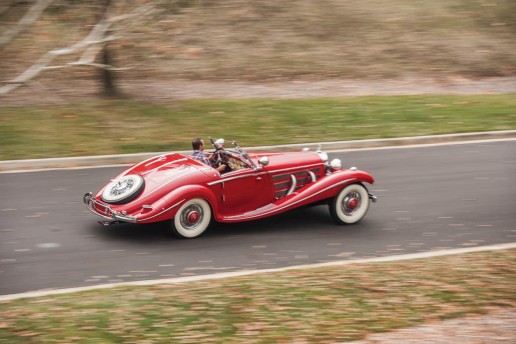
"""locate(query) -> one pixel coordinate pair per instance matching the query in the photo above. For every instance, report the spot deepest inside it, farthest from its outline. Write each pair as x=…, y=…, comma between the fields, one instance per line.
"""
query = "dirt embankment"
x=161, y=91
x=280, y=49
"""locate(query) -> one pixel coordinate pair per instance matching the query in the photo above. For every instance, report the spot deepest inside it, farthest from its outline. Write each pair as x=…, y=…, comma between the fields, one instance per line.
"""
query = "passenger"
x=198, y=154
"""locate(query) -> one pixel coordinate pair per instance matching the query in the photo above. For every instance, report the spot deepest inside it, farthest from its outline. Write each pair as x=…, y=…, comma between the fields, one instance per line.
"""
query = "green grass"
x=111, y=127
x=316, y=305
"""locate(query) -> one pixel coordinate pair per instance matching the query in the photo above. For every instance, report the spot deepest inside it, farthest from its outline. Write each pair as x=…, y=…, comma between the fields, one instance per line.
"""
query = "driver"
x=198, y=148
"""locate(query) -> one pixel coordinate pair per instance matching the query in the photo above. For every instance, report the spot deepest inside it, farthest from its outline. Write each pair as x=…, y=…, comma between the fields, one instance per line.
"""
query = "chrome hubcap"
x=191, y=216
x=121, y=187
x=351, y=203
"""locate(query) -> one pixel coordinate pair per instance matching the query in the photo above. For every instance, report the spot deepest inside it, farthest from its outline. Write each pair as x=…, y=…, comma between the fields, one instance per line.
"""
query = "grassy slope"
x=268, y=39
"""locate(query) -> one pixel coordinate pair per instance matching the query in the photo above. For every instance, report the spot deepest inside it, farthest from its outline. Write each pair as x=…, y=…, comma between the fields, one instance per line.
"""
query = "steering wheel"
x=219, y=157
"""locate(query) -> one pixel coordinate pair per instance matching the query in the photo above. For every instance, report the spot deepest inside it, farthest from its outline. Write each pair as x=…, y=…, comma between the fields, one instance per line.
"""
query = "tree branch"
x=32, y=14
x=92, y=45
x=94, y=37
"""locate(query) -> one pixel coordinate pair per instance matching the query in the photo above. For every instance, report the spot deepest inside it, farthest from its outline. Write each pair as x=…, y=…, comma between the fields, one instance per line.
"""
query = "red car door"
x=244, y=190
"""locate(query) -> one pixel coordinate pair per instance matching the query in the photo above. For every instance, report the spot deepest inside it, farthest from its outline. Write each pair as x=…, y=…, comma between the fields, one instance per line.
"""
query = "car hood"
x=291, y=160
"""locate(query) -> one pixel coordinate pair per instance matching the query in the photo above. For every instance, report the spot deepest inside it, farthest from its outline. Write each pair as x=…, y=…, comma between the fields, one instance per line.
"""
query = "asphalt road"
x=430, y=198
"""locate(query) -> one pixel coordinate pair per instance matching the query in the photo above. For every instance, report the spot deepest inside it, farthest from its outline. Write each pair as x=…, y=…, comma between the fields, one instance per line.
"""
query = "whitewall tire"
x=192, y=219
x=350, y=205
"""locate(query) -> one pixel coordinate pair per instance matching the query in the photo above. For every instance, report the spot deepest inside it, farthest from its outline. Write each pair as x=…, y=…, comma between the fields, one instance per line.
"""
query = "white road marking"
x=48, y=245
x=8, y=260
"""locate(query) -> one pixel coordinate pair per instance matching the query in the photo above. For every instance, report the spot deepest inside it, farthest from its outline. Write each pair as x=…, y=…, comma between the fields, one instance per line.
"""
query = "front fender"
x=327, y=187
x=360, y=176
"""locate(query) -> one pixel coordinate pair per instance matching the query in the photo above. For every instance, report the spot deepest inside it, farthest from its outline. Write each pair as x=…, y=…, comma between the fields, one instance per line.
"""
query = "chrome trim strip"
x=262, y=173
x=312, y=175
x=155, y=158
x=170, y=181
x=236, y=177
x=296, y=168
x=163, y=157
x=164, y=165
x=165, y=210
x=294, y=184
x=124, y=218
x=89, y=201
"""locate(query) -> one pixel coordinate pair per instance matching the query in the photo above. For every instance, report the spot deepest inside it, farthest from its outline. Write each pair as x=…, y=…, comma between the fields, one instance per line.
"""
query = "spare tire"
x=124, y=189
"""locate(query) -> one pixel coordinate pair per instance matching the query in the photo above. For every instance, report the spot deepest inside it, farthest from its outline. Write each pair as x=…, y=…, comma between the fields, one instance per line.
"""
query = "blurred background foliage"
x=288, y=39
x=160, y=42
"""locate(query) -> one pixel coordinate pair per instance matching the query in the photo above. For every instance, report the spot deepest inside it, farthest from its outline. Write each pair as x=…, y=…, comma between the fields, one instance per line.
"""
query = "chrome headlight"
x=336, y=164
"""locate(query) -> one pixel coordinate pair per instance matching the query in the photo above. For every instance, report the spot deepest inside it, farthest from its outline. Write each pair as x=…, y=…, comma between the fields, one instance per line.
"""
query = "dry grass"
x=291, y=39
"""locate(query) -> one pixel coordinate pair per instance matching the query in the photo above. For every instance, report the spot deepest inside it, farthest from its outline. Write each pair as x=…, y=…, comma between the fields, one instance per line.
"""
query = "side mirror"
x=264, y=161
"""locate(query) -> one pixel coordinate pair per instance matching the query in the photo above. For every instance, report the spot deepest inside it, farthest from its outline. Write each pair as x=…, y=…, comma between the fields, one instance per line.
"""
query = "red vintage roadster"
x=190, y=194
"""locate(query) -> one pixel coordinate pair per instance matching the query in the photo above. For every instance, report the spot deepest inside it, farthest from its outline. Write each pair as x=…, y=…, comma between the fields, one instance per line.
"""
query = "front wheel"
x=192, y=219
x=350, y=205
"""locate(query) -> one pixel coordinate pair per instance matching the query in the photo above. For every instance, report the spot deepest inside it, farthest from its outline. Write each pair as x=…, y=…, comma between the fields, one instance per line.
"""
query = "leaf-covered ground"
x=324, y=305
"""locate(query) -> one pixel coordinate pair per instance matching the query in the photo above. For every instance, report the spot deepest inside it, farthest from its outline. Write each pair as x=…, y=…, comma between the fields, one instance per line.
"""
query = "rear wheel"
x=350, y=205
x=192, y=219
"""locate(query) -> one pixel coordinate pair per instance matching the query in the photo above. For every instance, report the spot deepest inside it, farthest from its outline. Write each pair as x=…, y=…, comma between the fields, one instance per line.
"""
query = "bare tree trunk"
x=107, y=76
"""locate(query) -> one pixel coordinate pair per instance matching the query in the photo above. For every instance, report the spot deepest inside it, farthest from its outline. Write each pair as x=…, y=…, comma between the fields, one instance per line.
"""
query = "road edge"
x=12, y=166
x=178, y=280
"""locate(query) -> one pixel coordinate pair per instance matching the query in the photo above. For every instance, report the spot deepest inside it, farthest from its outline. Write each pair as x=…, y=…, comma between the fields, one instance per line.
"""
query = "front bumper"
x=104, y=210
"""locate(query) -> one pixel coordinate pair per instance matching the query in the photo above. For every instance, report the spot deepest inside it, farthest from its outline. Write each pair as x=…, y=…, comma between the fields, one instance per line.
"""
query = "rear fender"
x=167, y=207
